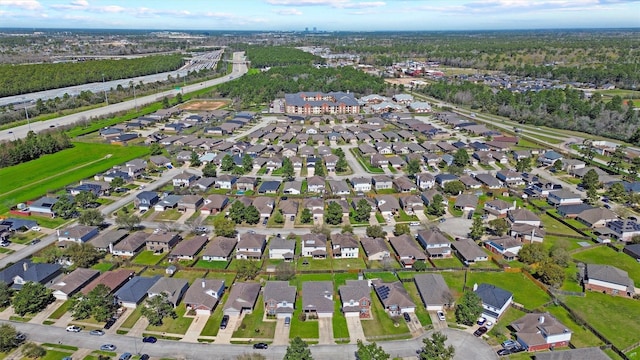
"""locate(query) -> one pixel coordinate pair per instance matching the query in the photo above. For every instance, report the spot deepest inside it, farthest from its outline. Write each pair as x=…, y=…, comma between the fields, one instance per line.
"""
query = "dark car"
x=149, y=339
x=224, y=322
x=503, y=352
x=260, y=346
x=35, y=241
x=109, y=323
x=407, y=317
x=481, y=331
x=144, y=357
x=264, y=222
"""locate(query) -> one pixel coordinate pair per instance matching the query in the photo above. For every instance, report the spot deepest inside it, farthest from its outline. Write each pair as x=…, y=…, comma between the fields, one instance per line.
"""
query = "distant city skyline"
x=323, y=15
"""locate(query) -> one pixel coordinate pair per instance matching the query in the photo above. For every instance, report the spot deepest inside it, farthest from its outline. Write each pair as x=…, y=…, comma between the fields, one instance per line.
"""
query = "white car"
x=415, y=223
x=36, y=228
x=73, y=328
x=441, y=316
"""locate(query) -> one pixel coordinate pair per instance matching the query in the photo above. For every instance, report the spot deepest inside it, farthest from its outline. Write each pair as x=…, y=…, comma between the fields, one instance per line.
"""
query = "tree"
x=306, y=216
x=436, y=207
x=342, y=165
x=347, y=229
x=461, y=158
x=477, y=229
x=500, y=226
x=165, y=103
x=318, y=169
x=117, y=182
x=321, y=229
x=195, y=159
x=468, y=308
x=236, y=212
x=454, y=169
x=592, y=195
x=591, y=180
x=454, y=187
x=587, y=150
x=285, y=271
x=634, y=169
x=85, y=198
x=617, y=193
x=155, y=149
x=617, y=158
x=333, y=214
x=64, y=207
x=247, y=163
x=32, y=298
x=635, y=239
x=371, y=352
x=435, y=349
x=298, y=350
x=362, y=211
x=5, y=294
x=82, y=254
x=7, y=337
x=247, y=269
x=412, y=167
x=419, y=265
x=252, y=215
x=277, y=217
x=227, y=163
x=128, y=221
x=532, y=253
x=400, y=229
x=51, y=254
x=33, y=350
x=96, y=303
x=375, y=231
x=224, y=227
x=209, y=170
x=551, y=274
x=158, y=307
x=287, y=169
x=560, y=256
x=91, y=217
x=557, y=165
x=524, y=165
x=179, y=98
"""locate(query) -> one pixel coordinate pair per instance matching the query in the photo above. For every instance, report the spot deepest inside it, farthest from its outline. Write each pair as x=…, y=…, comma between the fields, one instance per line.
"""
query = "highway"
x=239, y=69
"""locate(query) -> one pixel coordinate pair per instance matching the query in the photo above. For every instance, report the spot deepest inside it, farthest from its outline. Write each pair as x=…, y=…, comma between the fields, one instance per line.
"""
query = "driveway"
x=281, y=336
x=325, y=325
x=415, y=327
x=437, y=323
x=355, y=329
x=456, y=226
x=196, y=327
x=224, y=336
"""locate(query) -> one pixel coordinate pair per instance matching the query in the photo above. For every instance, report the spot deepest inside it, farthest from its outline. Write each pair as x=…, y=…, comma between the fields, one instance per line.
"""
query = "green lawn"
x=552, y=225
x=178, y=325
x=147, y=257
x=168, y=215
x=606, y=256
x=253, y=324
x=500, y=331
x=341, y=279
x=384, y=276
x=581, y=337
x=227, y=277
x=613, y=316
x=307, y=329
x=302, y=278
x=189, y=275
x=313, y=264
x=213, y=324
x=51, y=172
x=132, y=318
x=404, y=217
x=55, y=355
x=348, y=264
x=382, y=324
x=634, y=353
x=61, y=310
x=524, y=290
x=339, y=322
x=452, y=262
x=102, y=266
x=421, y=312
x=203, y=264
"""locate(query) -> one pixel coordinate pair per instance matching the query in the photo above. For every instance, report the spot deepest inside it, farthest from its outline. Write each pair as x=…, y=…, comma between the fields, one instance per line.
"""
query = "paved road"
x=239, y=69
x=467, y=346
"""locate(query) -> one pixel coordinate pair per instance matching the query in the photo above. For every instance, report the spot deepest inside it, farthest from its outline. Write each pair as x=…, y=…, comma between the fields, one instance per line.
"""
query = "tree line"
x=21, y=79
x=32, y=147
x=261, y=56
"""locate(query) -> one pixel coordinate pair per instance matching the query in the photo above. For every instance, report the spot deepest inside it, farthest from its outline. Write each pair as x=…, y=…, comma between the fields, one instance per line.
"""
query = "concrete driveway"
x=437, y=323
x=281, y=336
x=224, y=336
x=355, y=329
x=325, y=326
x=456, y=226
x=415, y=327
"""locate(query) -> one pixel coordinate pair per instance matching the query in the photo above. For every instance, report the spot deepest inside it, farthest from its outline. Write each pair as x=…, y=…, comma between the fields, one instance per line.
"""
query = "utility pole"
x=26, y=113
x=106, y=100
x=135, y=100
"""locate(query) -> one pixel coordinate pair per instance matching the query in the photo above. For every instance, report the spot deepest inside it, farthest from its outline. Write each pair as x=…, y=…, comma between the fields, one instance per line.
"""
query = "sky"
x=324, y=15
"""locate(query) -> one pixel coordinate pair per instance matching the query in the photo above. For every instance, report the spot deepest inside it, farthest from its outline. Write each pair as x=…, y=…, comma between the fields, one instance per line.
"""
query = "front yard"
x=178, y=325
x=253, y=324
x=382, y=324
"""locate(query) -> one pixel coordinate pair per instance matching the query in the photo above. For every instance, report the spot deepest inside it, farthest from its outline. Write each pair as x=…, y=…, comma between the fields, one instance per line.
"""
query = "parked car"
x=503, y=352
x=108, y=347
x=481, y=331
x=292, y=217
x=5, y=243
x=441, y=316
x=260, y=346
x=406, y=316
x=144, y=357
x=35, y=241
x=287, y=321
x=510, y=344
x=149, y=339
x=21, y=337
x=125, y=356
x=110, y=323
x=224, y=322
x=202, y=229
x=264, y=222
x=96, y=332
x=36, y=228
x=73, y=328
x=415, y=223
x=481, y=321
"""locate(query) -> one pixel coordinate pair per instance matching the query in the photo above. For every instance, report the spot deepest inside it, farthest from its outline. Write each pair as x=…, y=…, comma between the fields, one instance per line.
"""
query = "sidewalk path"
x=196, y=327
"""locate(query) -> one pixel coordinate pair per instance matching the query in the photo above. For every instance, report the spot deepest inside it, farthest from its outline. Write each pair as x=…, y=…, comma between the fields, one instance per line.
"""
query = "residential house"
x=214, y=204
x=435, y=243
x=280, y=248
x=203, y=184
x=289, y=208
x=219, y=249
x=407, y=250
x=339, y=187
x=361, y=184
x=184, y=179
x=375, y=249
x=382, y=182
x=251, y=246
x=106, y=240
x=246, y=183
x=269, y=187
x=225, y=181
x=315, y=184
x=434, y=292
x=145, y=200
x=131, y=294
x=77, y=233
x=130, y=245
x=549, y=158
x=168, y=202
x=162, y=241
x=495, y=301
x=113, y=279
x=470, y=182
x=265, y=205
x=563, y=197
x=394, y=297
x=279, y=299
x=403, y=184
x=523, y=216
x=624, y=230
x=607, y=279
x=25, y=271
x=571, y=211
x=541, y=331
x=73, y=282
x=292, y=187
x=190, y=202
x=506, y=246
x=489, y=181
x=633, y=250
x=344, y=246
x=443, y=179
x=314, y=245
x=527, y=233
x=597, y=217
x=188, y=249
x=173, y=288
x=425, y=181
x=317, y=299
x=355, y=296
x=388, y=205
x=242, y=298
x=510, y=178
x=204, y=295
x=498, y=207
x=466, y=202
x=469, y=252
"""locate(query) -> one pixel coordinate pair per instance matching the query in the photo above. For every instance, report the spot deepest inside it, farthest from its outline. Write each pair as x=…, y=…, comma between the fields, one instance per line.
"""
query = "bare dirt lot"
x=203, y=105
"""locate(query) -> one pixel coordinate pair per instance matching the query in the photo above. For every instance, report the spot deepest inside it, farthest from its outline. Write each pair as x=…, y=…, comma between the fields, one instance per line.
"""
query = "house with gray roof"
x=250, y=246
x=434, y=292
x=77, y=233
x=130, y=245
x=131, y=294
x=73, y=282
x=607, y=279
x=466, y=202
x=24, y=271
x=495, y=301
x=344, y=246
x=219, y=249
x=106, y=240
x=168, y=202
x=204, y=295
x=242, y=298
x=355, y=297
x=375, y=249
x=280, y=248
x=394, y=297
x=435, y=243
x=407, y=250
x=162, y=241
x=314, y=245
x=597, y=217
x=43, y=206
x=172, y=287
x=317, y=299
x=279, y=299
x=188, y=249
x=468, y=251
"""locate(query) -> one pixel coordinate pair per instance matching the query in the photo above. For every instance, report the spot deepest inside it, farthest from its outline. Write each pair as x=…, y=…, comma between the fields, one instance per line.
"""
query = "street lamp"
x=105, y=91
x=26, y=113
x=135, y=100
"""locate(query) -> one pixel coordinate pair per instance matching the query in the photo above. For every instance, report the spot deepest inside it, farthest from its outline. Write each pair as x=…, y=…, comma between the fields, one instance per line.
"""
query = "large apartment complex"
x=318, y=103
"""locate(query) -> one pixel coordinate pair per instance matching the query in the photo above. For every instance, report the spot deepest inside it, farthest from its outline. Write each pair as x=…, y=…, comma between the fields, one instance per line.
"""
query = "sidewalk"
x=64, y=320
x=139, y=327
x=196, y=327
x=7, y=313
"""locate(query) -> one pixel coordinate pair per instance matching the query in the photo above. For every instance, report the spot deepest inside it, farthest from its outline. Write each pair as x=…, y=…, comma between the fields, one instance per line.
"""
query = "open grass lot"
x=552, y=225
x=606, y=256
x=167, y=215
x=189, y=275
x=348, y=264
x=570, y=243
x=421, y=312
x=55, y=355
x=150, y=272
x=452, y=262
x=253, y=324
x=613, y=316
x=102, y=266
x=227, y=277
x=634, y=353
x=524, y=290
x=51, y=172
x=341, y=279
x=61, y=310
x=300, y=279
x=178, y=325
x=581, y=337
x=147, y=257
x=382, y=324
x=338, y=321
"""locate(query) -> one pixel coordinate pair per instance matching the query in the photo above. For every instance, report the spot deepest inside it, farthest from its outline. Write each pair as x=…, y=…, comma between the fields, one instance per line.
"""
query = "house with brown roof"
x=265, y=205
x=214, y=204
x=251, y=246
x=541, y=331
x=394, y=297
x=344, y=246
x=190, y=202
x=219, y=249
x=435, y=243
x=434, y=292
x=315, y=184
x=288, y=207
x=188, y=249
x=246, y=183
x=412, y=204
x=130, y=245
x=597, y=217
x=314, y=245
x=466, y=202
x=279, y=299
x=506, y=246
x=163, y=241
x=469, y=252
x=407, y=251
x=73, y=282
x=317, y=299
x=242, y=298
x=204, y=295
x=498, y=207
x=523, y=216
x=404, y=185
x=355, y=297
x=173, y=288
x=113, y=279
x=388, y=205
x=375, y=249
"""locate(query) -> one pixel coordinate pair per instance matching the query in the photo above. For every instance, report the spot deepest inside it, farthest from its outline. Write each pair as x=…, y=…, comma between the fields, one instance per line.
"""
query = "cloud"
x=294, y=12
x=339, y=4
x=74, y=5
x=521, y=6
x=22, y=4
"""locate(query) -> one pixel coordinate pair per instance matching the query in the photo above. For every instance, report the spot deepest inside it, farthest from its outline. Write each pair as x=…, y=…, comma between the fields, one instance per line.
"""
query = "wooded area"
x=32, y=147
x=261, y=56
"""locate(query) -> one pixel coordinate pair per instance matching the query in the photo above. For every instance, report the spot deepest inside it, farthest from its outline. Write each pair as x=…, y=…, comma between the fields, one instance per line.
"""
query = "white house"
x=495, y=301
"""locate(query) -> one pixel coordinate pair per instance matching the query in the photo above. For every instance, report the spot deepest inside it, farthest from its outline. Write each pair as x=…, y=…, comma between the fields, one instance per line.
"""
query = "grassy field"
x=606, y=256
x=203, y=264
x=610, y=315
x=189, y=275
x=133, y=318
x=524, y=290
x=581, y=337
x=382, y=324
x=253, y=325
x=147, y=257
x=552, y=225
x=51, y=172
x=61, y=310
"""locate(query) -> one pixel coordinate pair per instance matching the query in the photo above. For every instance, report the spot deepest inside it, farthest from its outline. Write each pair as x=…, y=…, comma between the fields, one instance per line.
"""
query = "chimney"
x=25, y=266
x=541, y=319
x=475, y=286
